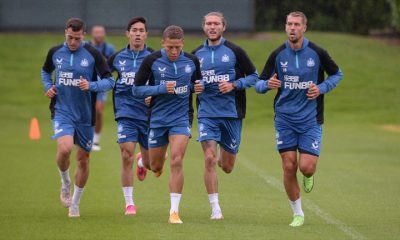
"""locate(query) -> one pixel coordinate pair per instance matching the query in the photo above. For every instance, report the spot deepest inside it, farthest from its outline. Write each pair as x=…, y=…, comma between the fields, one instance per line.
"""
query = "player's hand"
x=198, y=87
x=274, y=82
x=52, y=92
x=225, y=87
x=170, y=85
x=147, y=101
x=83, y=84
x=313, y=91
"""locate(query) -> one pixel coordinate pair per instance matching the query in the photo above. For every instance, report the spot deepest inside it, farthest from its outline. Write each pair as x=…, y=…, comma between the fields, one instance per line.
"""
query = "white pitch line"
x=278, y=185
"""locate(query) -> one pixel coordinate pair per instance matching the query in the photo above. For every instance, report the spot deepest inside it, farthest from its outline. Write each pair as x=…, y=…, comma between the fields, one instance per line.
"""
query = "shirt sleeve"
x=248, y=68
x=47, y=70
x=335, y=75
x=267, y=72
x=106, y=81
x=144, y=75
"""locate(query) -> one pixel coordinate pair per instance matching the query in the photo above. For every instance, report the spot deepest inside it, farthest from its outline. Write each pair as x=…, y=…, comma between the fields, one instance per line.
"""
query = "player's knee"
x=83, y=161
x=210, y=161
x=176, y=162
x=308, y=169
x=227, y=168
x=127, y=156
x=156, y=167
x=290, y=166
x=64, y=150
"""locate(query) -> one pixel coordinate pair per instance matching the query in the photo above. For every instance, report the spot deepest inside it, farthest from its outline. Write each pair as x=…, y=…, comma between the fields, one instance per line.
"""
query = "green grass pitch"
x=357, y=186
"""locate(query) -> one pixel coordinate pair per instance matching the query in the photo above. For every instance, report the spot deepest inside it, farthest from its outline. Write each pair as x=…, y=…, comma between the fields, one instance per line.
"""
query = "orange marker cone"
x=34, y=131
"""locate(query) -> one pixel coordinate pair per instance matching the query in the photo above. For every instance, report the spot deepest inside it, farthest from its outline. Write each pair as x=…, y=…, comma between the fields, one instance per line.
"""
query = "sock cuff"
x=175, y=194
x=78, y=189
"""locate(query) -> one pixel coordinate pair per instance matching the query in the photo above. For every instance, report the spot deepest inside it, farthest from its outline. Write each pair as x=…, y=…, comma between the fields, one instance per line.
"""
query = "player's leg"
x=158, y=144
x=210, y=177
x=81, y=177
x=287, y=144
x=209, y=134
x=290, y=166
x=309, y=148
x=100, y=103
x=127, y=151
x=178, y=148
x=230, y=142
x=64, y=132
x=143, y=163
x=64, y=148
x=142, y=157
x=83, y=139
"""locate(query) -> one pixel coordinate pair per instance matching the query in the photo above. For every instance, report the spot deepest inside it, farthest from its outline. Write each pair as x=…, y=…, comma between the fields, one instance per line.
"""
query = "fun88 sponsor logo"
x=128, y=78
x=293, y=82
x=66, y=79
x=181, y=90
x=210, y=77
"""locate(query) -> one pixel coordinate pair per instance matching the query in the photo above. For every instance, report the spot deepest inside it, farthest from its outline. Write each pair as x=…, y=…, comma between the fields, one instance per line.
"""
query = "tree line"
x=355, y=16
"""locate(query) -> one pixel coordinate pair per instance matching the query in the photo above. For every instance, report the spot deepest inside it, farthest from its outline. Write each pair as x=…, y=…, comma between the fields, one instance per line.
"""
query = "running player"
x=172, y=74
x=131, y=113
x=98, y=41
x=73, y=94
x=227, y=72
x=297, y=69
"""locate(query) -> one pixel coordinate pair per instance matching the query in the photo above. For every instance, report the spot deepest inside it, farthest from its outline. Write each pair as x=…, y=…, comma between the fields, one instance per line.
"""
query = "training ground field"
x=357, y=189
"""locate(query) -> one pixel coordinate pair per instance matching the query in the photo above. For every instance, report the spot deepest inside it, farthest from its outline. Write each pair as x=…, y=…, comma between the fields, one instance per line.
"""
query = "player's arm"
x=335, y=75
x=106, y=81
x=140, y=89
x=46, y=75
x=248, y=68
x=197, y=86
x=196, y=83
x=268, y=79
x=110, y=62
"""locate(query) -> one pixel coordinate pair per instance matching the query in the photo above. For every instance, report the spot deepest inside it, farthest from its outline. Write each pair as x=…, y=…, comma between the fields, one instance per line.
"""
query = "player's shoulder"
x=236, y=49
x=190, y=56
x=55, y=48
x=116, y=55
x=91, y=49
x=277, y=51
x=150, y=49
x=152, y=57
x=197, y=49
x=320, y=51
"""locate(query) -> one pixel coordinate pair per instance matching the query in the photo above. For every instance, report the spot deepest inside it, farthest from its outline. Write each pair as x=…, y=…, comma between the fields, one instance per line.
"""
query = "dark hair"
x=76, y=24
x=173, y=32
x=136, y=20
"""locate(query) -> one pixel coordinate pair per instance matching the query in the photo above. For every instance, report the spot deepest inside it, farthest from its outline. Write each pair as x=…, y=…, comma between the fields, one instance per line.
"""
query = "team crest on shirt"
x=225, y=58
x=162, y=71
x=201, y=62
x=59, y=62
x=284, y=66
x=188, y=69
x=84, y=62
x=122, y=63
x=310, y=62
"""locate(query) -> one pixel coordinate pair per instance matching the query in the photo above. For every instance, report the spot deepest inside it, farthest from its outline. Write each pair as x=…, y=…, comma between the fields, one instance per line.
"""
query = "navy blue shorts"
x=304, y=138
x=159, y=137
x=83, y=134
x=225, y=131
x=133, y=130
